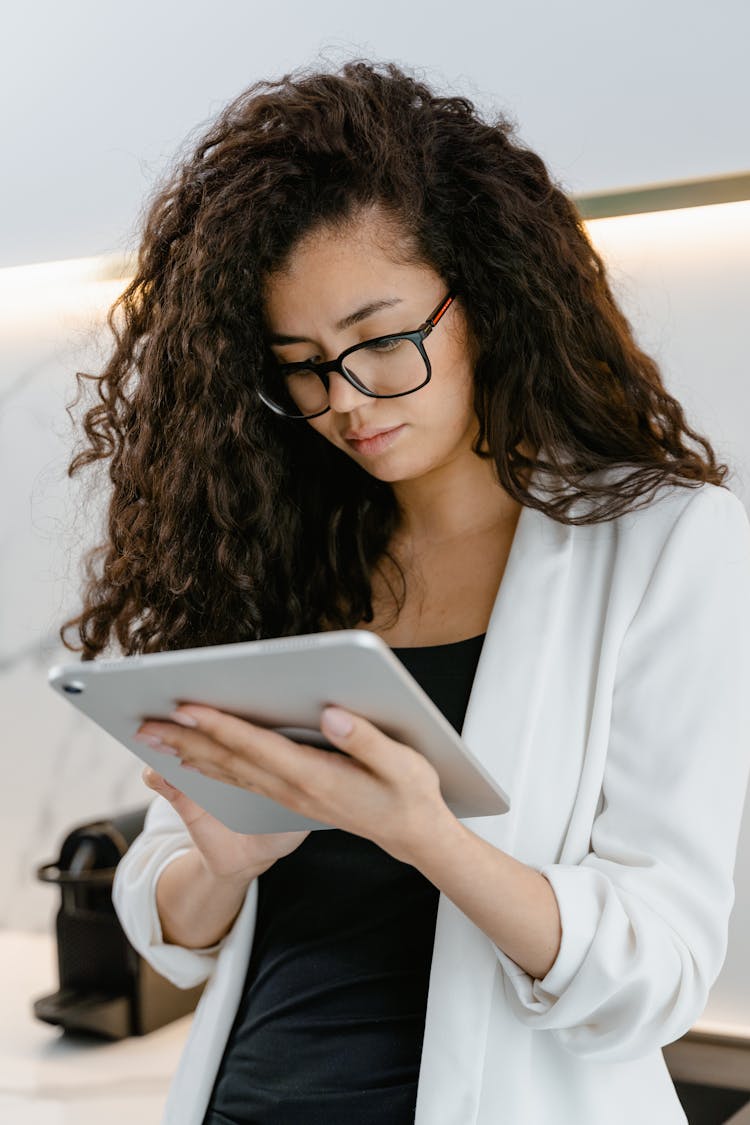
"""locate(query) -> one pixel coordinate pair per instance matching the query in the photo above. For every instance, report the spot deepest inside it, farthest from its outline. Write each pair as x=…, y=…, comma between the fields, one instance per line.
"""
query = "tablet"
x=282, y=683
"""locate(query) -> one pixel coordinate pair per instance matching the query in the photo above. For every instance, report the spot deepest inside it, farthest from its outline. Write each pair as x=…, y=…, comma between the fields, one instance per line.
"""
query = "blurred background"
x=640, y=112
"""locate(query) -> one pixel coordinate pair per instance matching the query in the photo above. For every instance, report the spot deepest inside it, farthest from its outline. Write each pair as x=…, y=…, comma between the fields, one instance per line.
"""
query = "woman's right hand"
x=229, y=855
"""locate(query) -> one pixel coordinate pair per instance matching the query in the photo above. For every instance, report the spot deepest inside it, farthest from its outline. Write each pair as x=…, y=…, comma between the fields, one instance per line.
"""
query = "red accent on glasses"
x=439, y=313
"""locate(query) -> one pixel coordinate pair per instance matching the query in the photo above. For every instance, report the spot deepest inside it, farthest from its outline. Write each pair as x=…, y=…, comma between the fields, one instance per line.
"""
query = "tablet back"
x=284, y=684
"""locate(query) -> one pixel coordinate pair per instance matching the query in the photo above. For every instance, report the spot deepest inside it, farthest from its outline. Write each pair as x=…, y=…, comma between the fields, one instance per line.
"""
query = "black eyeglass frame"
x=322, y=370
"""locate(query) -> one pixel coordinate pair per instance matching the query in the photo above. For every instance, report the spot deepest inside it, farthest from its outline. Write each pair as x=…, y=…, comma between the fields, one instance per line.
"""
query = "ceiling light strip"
x=664, y=197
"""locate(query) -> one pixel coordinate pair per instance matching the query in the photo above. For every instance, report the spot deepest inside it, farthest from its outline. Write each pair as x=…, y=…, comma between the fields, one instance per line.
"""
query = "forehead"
x=334, y=264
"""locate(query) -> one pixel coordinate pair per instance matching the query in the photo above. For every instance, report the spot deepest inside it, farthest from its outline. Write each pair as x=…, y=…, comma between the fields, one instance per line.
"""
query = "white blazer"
x=611, y=702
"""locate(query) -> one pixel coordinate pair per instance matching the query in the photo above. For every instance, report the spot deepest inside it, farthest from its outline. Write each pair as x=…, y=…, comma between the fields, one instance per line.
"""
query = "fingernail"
x=164, y=784
x=337, y=721
x=187, y=766
x=154, y=741
x=183, y=719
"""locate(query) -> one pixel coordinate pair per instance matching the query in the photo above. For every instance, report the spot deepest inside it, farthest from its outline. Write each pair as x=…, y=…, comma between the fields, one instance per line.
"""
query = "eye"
x=388, y=345
x=282, y=363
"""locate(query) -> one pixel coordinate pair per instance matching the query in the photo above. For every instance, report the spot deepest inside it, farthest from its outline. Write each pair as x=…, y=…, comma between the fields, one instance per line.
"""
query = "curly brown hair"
x=227, y=522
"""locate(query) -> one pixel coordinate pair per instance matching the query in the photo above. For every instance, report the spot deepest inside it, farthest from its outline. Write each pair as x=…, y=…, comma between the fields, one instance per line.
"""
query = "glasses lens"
x=388, y=367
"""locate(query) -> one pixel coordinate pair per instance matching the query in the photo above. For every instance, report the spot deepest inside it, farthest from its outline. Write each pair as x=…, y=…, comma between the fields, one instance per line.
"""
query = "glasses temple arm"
x=432, y=321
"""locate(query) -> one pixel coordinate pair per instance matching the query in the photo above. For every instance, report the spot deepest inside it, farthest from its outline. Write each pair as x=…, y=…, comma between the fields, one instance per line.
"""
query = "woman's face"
x=334, y=273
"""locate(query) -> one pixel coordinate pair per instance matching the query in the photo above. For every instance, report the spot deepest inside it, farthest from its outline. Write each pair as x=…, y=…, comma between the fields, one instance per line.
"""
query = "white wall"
x=683, y=278
x=97, y=97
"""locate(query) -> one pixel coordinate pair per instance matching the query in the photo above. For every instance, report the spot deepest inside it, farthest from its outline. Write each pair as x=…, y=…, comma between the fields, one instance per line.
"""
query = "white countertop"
x=47, y=1078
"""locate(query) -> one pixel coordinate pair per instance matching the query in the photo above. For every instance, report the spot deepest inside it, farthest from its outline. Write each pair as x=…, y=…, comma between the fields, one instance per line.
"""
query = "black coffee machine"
x=106, y=987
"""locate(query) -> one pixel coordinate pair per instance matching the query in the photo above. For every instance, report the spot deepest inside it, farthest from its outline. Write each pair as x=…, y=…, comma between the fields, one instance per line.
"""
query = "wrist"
x=417, y=845
x=230, y=880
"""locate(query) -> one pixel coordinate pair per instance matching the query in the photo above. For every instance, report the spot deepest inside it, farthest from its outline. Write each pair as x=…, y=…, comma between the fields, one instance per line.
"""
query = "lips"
x=374, y=445
x=365, y=435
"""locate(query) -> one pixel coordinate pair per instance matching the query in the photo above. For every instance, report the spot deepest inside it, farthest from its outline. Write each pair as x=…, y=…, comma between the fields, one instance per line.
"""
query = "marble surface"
x=48, y=1077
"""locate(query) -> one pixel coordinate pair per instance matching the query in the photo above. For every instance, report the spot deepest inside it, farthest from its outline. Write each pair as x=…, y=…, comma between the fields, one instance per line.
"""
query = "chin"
x=395, y=473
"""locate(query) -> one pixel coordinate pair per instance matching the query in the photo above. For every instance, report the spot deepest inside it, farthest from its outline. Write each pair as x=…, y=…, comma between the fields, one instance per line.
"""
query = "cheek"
x=451, y=401
x=321, y=426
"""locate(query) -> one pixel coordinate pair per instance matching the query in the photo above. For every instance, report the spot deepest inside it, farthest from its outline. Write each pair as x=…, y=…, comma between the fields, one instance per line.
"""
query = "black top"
x=330, y=1024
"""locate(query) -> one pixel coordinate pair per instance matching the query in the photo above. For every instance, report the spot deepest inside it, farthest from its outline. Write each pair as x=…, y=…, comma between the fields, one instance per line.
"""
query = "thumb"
x=188, y=810
x=158, y=783
x=357, y=737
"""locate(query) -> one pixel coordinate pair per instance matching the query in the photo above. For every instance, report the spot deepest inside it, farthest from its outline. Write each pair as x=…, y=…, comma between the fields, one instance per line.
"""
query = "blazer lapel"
x=515, y=661
x=499, y=723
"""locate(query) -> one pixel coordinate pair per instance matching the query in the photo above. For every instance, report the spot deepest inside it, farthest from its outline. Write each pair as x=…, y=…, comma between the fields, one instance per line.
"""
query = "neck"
x=449, y=505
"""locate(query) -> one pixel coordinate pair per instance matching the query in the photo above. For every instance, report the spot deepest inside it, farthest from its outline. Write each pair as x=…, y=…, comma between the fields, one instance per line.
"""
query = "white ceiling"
x=97, y=97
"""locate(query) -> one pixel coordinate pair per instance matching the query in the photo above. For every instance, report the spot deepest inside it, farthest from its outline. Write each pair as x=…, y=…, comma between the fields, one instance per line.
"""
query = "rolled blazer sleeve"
x=645, y=913
x=164, y=837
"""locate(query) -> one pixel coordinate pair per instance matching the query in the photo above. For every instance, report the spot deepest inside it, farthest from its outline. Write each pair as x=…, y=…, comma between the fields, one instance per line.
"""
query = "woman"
x=346, y=255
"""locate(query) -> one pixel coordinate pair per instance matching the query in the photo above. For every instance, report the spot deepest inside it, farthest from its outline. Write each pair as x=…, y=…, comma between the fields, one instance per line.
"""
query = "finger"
x=189, y=811
x=365, y=742
x=299, y=766
x=237, y=773
x=232, y=764
x=251, y=751
x=195, y=750
x=158, y=783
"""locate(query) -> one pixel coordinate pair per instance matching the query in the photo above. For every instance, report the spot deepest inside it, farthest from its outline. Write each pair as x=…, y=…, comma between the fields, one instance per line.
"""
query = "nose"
x=342, y=396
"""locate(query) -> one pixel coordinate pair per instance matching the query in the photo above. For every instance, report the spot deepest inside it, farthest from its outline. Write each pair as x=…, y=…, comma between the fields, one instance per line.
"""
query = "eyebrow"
x=353, y=318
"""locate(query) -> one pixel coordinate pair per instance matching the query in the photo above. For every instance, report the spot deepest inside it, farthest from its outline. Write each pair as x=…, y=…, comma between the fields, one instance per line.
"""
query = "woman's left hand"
x=385, y=791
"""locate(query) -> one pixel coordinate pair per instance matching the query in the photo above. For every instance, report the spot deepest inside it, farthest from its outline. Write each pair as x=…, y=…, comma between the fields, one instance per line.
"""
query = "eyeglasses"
x=384, y=367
